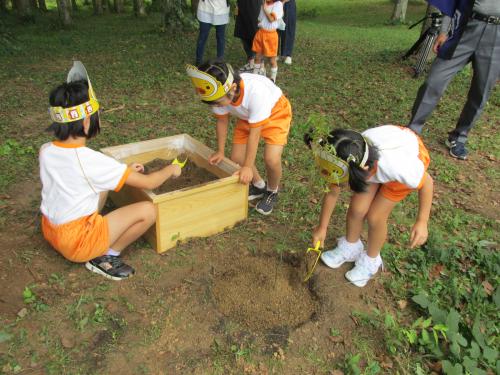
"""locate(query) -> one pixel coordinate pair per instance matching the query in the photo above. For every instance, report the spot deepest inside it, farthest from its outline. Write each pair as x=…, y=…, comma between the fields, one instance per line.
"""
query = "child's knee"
x=272, y=161
x=148, y=211
x=355, y=213
x=375, y=220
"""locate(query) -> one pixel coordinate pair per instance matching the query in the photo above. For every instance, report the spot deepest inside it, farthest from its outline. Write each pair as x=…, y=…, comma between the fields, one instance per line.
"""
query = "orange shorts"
x=265, y=42
x=274, y=132
x=396, y=191
x=79, y=240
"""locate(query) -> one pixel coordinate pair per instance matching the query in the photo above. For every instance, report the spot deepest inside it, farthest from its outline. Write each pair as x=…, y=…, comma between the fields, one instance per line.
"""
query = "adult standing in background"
x=216, y=13
x=474, y=36
x=287, y=36
x=246, y=26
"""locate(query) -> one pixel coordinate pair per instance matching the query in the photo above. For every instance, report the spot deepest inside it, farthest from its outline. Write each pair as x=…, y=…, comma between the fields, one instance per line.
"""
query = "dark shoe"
x=266, y=204
x=111, y=267
x=457, y=149
x=254, y=192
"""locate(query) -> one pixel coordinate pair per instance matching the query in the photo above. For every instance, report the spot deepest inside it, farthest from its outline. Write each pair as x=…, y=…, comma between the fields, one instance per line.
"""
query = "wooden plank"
x=203, y=214
x=121, y=152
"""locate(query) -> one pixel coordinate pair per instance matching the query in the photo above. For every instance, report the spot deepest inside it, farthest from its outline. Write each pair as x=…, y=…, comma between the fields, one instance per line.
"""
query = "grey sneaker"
x=266, y=204
x=457, y=149
x=110, y=267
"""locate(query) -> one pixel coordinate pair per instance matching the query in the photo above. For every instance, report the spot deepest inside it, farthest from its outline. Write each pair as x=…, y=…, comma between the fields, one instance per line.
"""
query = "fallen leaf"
x=67, y=342
x=402, y=304
x=23, y=312
x=488, y=288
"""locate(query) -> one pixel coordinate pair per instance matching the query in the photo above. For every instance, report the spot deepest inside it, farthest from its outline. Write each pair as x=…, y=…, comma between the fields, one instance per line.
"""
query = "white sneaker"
x=364, y=269
x=288, y=60
x=344, y=252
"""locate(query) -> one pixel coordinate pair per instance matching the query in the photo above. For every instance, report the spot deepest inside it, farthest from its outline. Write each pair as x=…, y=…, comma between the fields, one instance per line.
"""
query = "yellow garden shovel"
x=180, y=163
x=312, y=257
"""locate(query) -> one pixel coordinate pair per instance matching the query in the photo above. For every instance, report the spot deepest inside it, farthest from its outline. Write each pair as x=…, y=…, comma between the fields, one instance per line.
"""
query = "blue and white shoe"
x=365, y=268
x=457, y=149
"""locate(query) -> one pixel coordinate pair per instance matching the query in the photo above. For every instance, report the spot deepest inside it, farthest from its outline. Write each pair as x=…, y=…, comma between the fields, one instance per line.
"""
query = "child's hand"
x=246, y=175
x=216, y=158
x=319, y=234
x=176, y=170
x=419, y=234
x=136, y=167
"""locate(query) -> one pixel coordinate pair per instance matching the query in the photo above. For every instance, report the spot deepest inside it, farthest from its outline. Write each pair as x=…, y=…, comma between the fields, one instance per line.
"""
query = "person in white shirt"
x=75, y=180
x=265, y=42
x=212, y=13
x=382, y=166
x=262, y=112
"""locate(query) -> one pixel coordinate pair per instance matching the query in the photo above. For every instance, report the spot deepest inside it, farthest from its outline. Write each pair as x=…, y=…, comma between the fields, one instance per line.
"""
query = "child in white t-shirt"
x=265, y=42
x=75, y=179
x=382, y=165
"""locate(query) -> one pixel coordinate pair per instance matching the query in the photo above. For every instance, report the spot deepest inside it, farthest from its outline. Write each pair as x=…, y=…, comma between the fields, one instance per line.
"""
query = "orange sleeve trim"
x=242, y=93
x=221, y=116
x=123, y=179
x=422, y=181
x=259, y=124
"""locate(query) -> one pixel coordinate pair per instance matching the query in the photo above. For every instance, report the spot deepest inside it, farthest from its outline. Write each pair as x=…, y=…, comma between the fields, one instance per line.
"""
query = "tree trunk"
x=3, y=6
x=194, y=6
x=97, y=6
x=74, y=6
x=118, y=6
x=33, y=4
x=23, y=8
x=64, y=8
x=399, y=13
x=139, y=9
x=42, y=5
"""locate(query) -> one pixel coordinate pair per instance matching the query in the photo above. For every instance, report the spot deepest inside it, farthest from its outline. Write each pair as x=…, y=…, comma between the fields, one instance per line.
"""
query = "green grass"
x=347, y=68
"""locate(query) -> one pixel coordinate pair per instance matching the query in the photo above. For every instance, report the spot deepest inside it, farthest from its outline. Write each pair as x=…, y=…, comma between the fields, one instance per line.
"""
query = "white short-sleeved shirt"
x=275, y=9
x=399, y=156
x=214, y=12
x=258, y=96
x=72, y=178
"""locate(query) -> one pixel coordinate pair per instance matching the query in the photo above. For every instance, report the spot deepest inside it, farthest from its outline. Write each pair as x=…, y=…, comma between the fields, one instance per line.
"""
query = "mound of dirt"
x=263, y=293
x=191, y=175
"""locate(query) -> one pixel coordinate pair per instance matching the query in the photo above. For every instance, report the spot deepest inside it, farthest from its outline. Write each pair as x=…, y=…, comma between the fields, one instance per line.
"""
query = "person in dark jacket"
x=246, y=26
x=470, y=33
x=287, y=36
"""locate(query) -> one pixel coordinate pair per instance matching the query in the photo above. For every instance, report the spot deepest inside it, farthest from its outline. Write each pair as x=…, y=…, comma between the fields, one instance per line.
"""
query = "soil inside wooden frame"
x=192, y=174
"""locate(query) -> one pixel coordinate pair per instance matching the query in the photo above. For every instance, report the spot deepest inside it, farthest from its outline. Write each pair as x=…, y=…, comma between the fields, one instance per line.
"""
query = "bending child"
x=262, y=111
x=265, y=42
x=382, y=165
x=75, y=180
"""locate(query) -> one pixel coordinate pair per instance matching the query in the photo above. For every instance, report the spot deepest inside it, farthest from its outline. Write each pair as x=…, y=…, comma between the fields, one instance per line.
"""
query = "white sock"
x=251, y=63
x=256, y=68
x=113, y=253
x=272, y=190
x=274, y=73
x=259, y=184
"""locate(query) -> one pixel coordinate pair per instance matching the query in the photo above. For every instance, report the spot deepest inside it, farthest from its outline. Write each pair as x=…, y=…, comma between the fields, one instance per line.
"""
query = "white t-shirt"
x=399, y=151
x=214, y=12
x=257, y=99
x=275, y=9
x=66, y=193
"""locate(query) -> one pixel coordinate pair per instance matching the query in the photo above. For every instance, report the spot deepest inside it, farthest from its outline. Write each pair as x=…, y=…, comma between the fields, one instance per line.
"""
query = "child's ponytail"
x=357, y=177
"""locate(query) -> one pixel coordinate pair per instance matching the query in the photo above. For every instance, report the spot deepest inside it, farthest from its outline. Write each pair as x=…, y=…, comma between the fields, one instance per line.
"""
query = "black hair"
x=68, y=95
x=350, y=147
x=220, y=70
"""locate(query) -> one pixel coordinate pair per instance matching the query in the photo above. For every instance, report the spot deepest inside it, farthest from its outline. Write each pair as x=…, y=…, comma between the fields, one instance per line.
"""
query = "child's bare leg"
x=358, y=208
x=258, y=63
x=126, y=224
x=272, y=159
x=377, y=217
x=238, y=154
x=274, y=68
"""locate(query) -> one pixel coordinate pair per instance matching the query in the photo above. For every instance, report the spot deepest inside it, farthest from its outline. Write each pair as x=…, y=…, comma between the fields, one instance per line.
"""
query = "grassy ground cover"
x=434, y=309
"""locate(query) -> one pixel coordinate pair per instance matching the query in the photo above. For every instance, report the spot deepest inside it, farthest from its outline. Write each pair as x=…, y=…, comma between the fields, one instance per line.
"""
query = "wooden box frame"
x=196, y=211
